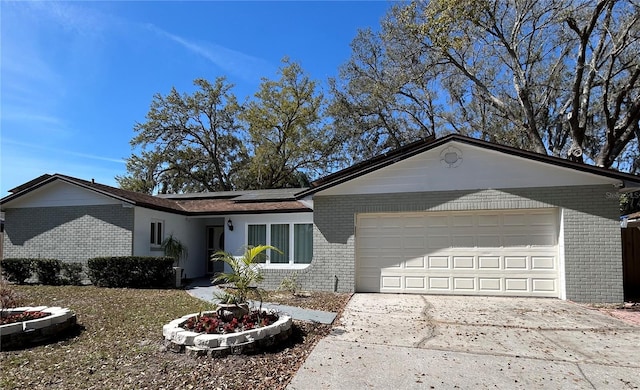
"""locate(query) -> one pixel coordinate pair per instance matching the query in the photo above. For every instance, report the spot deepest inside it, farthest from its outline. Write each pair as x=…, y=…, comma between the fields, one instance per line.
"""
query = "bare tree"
x=558, y=77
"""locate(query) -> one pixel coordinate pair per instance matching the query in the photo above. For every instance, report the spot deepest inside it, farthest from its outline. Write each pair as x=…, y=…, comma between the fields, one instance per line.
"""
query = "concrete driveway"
x=385, y=341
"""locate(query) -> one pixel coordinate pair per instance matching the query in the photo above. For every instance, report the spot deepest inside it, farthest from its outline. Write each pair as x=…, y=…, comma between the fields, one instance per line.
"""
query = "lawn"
x=119, y=345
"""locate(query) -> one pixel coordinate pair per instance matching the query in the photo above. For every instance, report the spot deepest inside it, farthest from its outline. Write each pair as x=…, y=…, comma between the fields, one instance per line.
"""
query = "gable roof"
x=239, y=202
x=421, y=146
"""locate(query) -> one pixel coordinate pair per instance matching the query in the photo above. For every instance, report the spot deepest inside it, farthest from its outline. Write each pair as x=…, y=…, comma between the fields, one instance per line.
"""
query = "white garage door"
x=506, y=252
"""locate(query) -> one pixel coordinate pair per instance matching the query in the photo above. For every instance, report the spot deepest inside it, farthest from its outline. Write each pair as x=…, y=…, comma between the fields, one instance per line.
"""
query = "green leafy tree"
x=287, y=137
x=145, y=172
x=189, y=143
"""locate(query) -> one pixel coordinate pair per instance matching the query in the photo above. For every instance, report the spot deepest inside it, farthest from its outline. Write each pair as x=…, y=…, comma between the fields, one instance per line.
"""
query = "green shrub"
x=245, y=273
x=17, y=270
x=48, y=271
x=289, y=284
x=131, y=271
x=72, y=274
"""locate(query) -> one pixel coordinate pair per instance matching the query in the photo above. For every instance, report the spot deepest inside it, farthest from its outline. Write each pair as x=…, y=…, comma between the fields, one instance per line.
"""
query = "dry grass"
x=120, y=346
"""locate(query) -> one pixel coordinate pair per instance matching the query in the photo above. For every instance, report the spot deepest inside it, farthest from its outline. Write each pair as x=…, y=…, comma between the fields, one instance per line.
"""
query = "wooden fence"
x=631, y=263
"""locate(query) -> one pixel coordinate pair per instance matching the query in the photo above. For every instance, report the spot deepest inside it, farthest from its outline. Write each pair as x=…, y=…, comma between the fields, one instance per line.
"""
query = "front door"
x=215, y=243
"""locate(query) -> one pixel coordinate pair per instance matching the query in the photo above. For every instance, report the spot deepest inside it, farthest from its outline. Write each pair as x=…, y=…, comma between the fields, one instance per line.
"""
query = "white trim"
x=163, y=228
x=283, y=266
x=562, y=285
x=292, y=261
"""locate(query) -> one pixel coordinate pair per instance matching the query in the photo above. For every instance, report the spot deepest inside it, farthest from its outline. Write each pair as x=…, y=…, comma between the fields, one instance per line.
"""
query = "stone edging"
x=20, y=334
x=178, y=339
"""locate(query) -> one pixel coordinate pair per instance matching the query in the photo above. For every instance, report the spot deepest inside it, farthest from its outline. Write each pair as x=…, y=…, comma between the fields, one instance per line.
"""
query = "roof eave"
x=53, y=178
x=244, y=212
x=629, y=181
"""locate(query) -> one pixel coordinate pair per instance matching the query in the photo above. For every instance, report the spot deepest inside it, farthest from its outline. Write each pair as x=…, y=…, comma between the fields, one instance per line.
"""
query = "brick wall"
x=73, y=234
x=592, y=259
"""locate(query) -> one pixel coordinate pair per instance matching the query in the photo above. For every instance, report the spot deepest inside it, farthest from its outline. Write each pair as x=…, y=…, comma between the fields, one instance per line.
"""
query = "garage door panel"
x=513, y=220
x=388, y=242
x=543, y=262
x=464, y=284
x=414, y=242
x=516, y=285
x=439, y=283
x=464, y=262
x=511, y=240
x=502, y=252
x=489, y=241
x=437, y=221
x=488, y=220
x=543, y=285
x=542, y=219
x=490, y=284
x=438, y=262
x=416, y=283
x=463, y=241
x=489, y=262
x=438, y=242
x=462, y=221
x=416, y=263
x=542, y=240
x=368, y=243
x=390, y=222
x=369, y=283
x=515, y=262
x=391, y=281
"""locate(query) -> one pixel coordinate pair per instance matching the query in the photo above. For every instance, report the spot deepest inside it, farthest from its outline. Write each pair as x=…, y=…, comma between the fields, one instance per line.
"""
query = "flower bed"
x=11, y=318
x=213, y=323
x=210, y=334
x=31, y=325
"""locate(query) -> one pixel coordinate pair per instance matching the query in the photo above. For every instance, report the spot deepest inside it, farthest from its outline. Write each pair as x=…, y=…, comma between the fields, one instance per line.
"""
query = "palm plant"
x=245, y=273
x=173, y=248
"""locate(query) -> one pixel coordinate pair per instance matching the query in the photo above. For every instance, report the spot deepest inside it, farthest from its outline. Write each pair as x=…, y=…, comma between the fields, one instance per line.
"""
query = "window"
x=280, y=239
x=257, y=235
x=303, y=242
x=156, y=233
x=295, y=240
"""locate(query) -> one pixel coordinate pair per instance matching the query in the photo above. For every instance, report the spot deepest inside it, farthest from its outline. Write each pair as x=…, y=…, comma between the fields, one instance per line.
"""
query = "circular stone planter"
x=178, y=339
x=24, y=333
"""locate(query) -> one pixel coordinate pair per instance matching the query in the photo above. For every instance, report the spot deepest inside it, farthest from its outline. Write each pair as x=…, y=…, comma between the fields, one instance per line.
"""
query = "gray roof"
x=214, y=203
x=241, y=196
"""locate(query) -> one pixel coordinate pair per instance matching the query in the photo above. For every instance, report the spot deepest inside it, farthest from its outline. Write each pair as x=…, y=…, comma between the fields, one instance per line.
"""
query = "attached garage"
x=497, y=252
x=463, y=216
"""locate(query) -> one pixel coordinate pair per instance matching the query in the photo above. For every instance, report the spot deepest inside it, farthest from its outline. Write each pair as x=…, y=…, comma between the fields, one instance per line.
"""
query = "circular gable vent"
x=451, y=157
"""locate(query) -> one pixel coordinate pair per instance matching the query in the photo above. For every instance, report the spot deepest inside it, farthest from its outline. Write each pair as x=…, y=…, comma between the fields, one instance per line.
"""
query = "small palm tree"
x=245, y=273
x=172, y=247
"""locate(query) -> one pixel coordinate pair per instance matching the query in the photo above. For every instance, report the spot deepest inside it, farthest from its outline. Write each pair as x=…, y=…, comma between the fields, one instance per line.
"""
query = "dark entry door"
x=215, y=243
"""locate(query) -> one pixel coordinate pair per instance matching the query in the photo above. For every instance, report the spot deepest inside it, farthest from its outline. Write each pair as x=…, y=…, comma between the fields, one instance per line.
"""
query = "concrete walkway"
x=203, y=289
x=386, y=341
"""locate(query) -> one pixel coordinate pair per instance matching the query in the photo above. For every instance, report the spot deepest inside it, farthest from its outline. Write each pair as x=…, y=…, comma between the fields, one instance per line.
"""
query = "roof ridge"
x=424, y=145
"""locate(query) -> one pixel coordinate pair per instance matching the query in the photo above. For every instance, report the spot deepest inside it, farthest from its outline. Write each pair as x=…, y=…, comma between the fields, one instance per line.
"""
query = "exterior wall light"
x=230, y=225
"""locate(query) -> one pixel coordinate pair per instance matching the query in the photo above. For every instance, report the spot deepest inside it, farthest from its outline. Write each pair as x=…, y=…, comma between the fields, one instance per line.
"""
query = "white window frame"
x=153, y=226
x=291, y=264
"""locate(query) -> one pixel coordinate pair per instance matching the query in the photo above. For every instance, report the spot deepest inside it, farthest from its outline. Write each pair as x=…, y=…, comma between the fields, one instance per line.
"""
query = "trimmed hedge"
x=131, y=271
x=16, y=270
x=72, y=273
x=50, y=272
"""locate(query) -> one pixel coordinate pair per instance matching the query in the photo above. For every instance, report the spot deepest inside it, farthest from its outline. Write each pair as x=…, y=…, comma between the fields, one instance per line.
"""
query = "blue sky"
x=77, y=76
